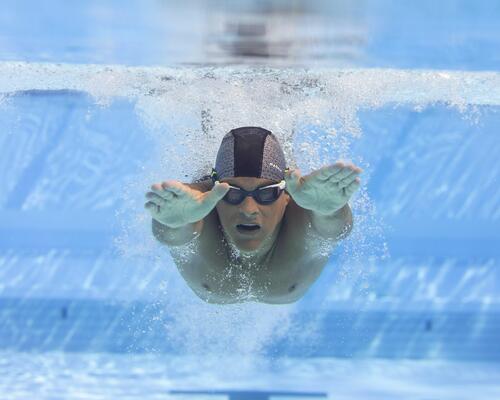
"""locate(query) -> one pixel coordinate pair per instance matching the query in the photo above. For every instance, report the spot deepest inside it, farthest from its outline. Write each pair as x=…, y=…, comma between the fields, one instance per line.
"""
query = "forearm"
x=336, y=226
x=176, y=236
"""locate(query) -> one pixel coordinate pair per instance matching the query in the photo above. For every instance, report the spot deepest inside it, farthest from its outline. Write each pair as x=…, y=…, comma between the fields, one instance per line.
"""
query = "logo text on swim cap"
x=275, y=166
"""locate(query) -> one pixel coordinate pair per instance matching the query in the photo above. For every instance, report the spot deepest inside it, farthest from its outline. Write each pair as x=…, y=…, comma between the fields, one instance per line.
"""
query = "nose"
x=249, y=206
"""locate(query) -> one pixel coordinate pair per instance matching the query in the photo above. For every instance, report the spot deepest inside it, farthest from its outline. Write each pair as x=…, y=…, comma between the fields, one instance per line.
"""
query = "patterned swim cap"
x=250, y=152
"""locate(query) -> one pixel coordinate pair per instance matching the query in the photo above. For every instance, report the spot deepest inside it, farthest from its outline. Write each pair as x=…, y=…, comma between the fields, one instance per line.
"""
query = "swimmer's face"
x=249, y=211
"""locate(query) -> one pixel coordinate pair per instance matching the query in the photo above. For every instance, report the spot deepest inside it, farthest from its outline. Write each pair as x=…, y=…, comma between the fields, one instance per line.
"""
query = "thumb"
x=292, y=179
x=217, y=193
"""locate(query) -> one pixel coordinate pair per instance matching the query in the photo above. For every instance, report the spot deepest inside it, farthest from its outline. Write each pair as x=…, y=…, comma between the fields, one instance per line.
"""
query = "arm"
x=335, y=226
x=176, y=236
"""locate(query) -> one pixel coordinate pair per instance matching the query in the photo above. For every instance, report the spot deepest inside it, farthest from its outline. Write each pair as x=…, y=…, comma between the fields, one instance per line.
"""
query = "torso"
x=292, y=265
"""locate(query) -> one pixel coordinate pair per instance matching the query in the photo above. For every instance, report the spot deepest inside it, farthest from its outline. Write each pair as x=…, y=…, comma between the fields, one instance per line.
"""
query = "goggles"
x=262, y=195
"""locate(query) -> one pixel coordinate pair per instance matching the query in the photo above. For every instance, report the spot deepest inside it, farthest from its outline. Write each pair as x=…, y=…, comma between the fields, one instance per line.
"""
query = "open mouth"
x=244, y=228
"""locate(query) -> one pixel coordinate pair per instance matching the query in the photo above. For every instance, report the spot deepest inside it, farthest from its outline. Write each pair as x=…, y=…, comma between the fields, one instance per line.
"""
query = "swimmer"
x=252, y=229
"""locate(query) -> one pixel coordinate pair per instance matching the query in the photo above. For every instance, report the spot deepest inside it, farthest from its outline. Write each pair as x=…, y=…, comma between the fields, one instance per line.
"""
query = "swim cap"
x=251, y=152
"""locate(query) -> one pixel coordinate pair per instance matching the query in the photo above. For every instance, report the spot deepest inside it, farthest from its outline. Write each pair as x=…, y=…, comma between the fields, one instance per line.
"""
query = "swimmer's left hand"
x=325, y=190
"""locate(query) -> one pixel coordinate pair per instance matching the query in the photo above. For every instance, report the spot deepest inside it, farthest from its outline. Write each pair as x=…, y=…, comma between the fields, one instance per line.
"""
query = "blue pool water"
x=97, y=101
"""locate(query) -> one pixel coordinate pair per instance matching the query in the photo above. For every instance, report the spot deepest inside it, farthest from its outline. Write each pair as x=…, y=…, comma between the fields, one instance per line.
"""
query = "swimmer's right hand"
x=175, y=204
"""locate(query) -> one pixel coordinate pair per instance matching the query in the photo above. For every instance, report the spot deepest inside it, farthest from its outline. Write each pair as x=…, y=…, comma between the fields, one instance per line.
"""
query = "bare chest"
x=217, y=276
x=293, y=265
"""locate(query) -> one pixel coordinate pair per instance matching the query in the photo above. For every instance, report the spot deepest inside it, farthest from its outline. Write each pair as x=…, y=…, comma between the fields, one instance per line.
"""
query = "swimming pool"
x=92, y=307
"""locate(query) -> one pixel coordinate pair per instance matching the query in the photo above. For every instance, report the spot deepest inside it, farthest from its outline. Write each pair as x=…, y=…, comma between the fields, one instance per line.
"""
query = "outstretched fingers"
x=347, y=173
x=174, y=187
x=167, y=190
x=164, y=194
x=156, y=198
x=347, y=180
x=352, y=187
x=329, y=171
x=152, y=207
x=160, y=194
x=338, y=172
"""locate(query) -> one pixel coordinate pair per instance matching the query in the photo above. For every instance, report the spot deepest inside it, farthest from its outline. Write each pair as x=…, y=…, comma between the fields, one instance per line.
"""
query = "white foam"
x=182, y=105
x=364, y=87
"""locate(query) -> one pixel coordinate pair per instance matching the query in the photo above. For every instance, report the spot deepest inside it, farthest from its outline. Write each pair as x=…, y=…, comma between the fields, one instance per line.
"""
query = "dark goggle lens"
x=263, y=196
x=234, y=196
x=268, y=195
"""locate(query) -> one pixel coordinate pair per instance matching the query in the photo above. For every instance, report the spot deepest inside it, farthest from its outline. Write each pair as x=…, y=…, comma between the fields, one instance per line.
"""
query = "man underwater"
x=253, y=228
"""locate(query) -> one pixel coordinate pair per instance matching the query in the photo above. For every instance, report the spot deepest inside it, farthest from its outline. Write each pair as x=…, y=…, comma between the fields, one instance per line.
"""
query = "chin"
x=248, y=246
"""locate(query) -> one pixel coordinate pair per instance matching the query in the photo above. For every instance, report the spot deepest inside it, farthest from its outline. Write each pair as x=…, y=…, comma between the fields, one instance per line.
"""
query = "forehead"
x=247, y=182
